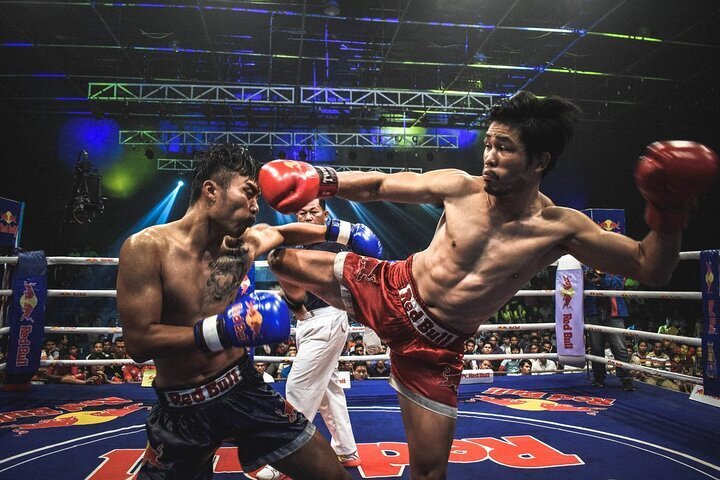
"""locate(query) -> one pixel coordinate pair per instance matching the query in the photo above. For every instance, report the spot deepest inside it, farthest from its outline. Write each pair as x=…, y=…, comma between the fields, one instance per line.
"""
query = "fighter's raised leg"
x=310, y=270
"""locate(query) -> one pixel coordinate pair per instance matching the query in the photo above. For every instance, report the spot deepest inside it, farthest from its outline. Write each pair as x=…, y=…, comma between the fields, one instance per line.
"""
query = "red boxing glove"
x=287, y=186
x=670, y=176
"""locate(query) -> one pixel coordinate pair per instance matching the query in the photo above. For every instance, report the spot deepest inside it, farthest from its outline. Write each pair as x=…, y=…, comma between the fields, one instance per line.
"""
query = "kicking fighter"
x=496, y=233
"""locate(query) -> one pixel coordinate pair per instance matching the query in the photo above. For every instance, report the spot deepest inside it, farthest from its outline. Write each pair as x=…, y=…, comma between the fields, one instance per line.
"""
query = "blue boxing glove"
x=256, y=319
x=357, y=236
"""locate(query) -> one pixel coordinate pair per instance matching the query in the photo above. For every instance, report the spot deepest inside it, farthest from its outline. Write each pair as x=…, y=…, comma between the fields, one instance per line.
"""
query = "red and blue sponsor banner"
x=609, y=219
x=27, y=313
x=710, y=280
x=11, y=215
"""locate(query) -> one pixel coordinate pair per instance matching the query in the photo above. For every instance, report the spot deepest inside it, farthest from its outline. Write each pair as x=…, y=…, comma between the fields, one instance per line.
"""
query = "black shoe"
x=628, y=385
x=598, y=382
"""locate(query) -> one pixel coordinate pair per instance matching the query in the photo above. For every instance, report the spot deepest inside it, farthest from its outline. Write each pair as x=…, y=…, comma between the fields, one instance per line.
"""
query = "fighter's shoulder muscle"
x=149, y=243
x=453, y=182
x=573, y=221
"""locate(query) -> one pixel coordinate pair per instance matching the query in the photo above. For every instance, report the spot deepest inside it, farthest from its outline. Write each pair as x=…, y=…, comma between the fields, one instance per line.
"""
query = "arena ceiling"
x=623, y=61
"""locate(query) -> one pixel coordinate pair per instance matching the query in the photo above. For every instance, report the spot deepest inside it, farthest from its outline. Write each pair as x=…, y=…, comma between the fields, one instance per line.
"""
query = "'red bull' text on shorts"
x=425, y=357
x=188, y=425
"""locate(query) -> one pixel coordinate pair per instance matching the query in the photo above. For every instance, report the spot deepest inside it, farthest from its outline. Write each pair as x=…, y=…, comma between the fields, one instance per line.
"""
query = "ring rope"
x=10, y=260
x=114, y=330
x=642, y=368
x=692, y=341
x=351, y=358
x=520, y=293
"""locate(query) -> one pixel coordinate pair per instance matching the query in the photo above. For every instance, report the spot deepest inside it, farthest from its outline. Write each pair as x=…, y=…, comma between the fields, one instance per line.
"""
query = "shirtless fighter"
x=179, y=299
x=496, y=233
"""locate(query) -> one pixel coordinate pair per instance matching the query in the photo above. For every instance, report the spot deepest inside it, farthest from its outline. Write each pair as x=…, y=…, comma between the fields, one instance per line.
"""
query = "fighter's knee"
x=276, y=259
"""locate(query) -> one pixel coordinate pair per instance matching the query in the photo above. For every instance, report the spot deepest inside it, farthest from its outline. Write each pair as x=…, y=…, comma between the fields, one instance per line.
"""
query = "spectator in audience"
x=511, y=366
x=359, y=370
x=543, y=366
x=261, y=368
x=660, y=360
x=96, y=353
x=515, y=340
x=487, y=349
x=486, y=365
x=669, y=328
x=640, y=357
x=505, y=345
x=493, y=341
x=284, y=367
x=697, y=368
x=525, y=367
x=379, y=369
x=470, y=347
x=52, y=351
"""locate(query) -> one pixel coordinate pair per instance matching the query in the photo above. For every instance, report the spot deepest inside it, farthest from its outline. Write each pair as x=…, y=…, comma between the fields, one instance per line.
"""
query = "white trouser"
x=313, y=381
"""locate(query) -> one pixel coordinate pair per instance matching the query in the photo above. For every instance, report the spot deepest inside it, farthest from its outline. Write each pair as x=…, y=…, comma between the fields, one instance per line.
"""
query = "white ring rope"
x=693, y=341
x=520, y=293
x=368, y=358
x=118, y=330
x=642, y=368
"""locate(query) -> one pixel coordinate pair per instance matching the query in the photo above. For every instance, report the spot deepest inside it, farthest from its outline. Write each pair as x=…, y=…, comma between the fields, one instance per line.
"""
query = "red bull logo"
x=531, y=401
x=451, y=380
x=245, y=285
x=609, y=225
x=8, y=223
x=73, y=417
x=709, y=276
x=28, y=301
x=247, y=324
x=380, y=459
x=567, y=291
x=153, y=456
x=289, y=412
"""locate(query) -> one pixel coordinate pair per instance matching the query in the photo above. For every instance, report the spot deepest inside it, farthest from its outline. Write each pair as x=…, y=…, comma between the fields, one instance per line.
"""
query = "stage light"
x=332, y=8
x=180, y=183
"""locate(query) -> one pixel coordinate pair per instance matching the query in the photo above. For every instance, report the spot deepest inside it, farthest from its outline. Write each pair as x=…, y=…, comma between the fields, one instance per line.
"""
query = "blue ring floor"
x=530, y=427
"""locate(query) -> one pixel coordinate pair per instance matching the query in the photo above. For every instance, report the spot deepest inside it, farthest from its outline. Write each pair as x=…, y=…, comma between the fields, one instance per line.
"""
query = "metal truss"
x=288, y=139
x=252, y=139
x=185, y=165
x=447, y=101
x=182, y=93
x=375, y=140
x=364, y=168
x=176, y=164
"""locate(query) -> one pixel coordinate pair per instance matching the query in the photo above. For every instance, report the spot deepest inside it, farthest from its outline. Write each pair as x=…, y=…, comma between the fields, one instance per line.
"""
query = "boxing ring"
x=531, y=426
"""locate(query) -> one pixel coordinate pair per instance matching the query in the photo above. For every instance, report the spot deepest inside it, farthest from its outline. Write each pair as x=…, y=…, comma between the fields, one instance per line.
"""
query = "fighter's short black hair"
x=219, y=163
x=545, y=124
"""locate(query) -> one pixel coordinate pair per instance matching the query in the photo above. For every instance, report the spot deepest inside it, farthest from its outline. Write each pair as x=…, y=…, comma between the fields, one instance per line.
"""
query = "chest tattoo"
x=226, y=274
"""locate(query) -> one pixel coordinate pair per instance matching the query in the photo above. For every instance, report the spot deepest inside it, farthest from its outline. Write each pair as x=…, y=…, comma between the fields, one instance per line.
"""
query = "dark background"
x=647, y=91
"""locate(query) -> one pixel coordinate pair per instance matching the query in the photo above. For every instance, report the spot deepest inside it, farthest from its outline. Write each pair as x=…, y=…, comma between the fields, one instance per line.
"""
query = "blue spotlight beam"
x=153, y=217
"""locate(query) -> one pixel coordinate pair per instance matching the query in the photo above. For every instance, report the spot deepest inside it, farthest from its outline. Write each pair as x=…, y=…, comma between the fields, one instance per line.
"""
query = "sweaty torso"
x=196, y=284
x=479, y=258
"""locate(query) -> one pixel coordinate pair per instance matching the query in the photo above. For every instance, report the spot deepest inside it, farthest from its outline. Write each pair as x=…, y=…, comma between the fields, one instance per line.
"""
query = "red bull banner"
x=569, y=315
x=11, y=214
x=710, y=277
x=27, y=316
x=609, y=219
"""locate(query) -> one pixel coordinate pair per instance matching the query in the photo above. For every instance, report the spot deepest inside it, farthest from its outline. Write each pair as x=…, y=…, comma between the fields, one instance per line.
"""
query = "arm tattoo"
x=226, y=274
